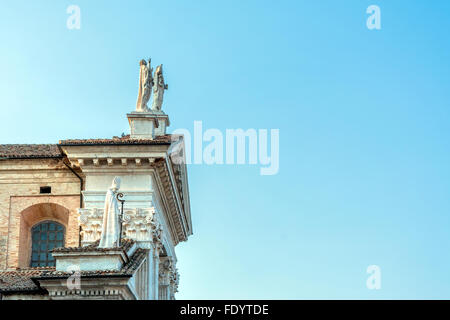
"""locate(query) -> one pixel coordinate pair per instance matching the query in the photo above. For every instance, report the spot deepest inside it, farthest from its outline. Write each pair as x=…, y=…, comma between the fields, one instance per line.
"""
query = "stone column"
x=155, y=273
x=164, y=278
x=174, y=280
x=156, y=233
x=150, y=274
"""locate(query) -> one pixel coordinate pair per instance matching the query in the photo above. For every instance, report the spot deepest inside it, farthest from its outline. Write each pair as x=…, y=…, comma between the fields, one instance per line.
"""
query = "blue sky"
x=363, y=116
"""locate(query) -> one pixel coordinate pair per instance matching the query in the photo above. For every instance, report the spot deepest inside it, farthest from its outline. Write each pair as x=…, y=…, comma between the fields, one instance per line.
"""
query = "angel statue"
x=110, y=236
x=158, y=89
x=145, y=85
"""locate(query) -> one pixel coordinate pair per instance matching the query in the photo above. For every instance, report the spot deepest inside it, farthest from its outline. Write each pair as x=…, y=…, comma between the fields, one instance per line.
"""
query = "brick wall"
x=22, y=205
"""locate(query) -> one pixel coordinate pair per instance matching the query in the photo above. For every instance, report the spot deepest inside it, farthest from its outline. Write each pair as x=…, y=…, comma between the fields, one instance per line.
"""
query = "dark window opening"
x=45, y=236
x=46, y=190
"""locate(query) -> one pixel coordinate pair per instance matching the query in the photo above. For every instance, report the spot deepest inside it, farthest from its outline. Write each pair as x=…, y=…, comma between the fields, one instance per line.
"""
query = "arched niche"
x=32, y=216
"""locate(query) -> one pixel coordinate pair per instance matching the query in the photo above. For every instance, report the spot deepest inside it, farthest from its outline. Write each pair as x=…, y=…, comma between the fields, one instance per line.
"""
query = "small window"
x=46, y=189
x=45, y=237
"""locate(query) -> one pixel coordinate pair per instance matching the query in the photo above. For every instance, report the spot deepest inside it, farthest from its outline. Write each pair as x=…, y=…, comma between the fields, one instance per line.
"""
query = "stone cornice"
x=175, y=203
x=108, y=287
x=180, y=181
x=130, y=160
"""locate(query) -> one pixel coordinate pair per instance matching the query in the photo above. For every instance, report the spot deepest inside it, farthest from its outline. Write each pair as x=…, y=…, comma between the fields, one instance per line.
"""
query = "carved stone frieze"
x=140, y=224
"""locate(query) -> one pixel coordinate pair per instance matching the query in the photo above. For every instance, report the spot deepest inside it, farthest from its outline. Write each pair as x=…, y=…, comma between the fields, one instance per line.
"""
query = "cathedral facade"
x=52, y=200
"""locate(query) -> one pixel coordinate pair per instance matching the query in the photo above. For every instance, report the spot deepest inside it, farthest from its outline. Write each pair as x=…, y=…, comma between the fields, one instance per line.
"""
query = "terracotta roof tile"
x=30, y=151
x=165, y=139
x=21, y=280
x=127, y=270
x=25, y=151
x=126, y=245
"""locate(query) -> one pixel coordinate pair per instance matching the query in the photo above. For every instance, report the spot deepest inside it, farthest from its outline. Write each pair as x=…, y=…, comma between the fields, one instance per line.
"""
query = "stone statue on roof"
x=110, y=236
x=145, y=85
x=158, y=89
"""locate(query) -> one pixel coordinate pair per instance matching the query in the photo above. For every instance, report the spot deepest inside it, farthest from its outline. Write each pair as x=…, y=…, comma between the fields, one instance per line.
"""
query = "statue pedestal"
x=147, y=125
x=93, y=258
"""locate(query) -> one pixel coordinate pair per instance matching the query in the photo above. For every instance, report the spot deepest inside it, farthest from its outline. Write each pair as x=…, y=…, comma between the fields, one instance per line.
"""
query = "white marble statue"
x=145, y=85
x=158, y=88
x=111, y=226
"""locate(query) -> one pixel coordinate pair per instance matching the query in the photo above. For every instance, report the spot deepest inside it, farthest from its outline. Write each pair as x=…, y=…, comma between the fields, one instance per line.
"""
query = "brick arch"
x=45, y=211
x=27, y=211
x=33, y=215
